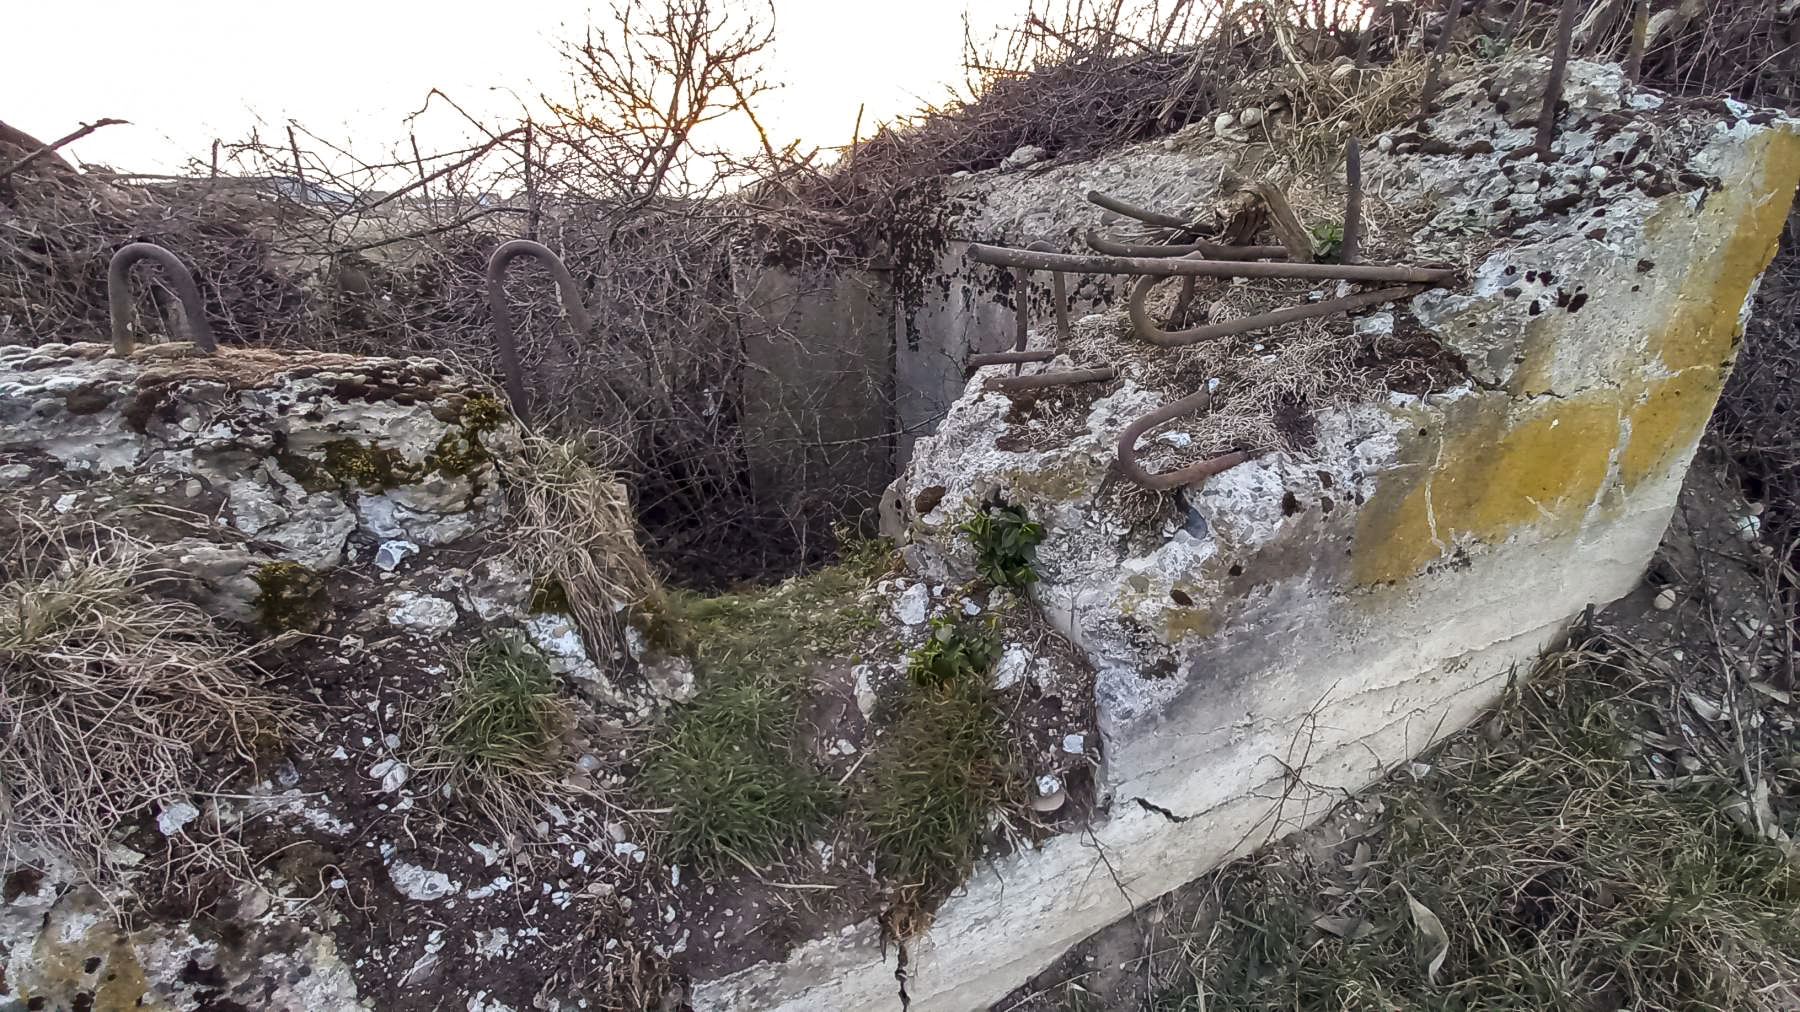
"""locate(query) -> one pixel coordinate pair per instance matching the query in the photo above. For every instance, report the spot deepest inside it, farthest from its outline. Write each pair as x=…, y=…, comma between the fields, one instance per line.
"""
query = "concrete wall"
x=1342, y=608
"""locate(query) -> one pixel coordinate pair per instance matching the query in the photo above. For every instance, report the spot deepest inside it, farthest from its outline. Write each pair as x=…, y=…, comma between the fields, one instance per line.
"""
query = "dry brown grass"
x=574, y=526
x=109, y=694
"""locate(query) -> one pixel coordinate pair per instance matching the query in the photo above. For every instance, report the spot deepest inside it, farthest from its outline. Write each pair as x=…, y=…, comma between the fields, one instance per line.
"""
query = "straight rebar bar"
x=1553, y=85
x=1000, y=256
x=1022, y=301
x=1347, y=248
x=1451, y=13
x=1129, y=210
x=579, y=319
x=1640, y=33
x=1040, y=380
x=1011, y=357
x=1149, y=331
x=1193, y=474
x=1209, y=250
x=118, y=295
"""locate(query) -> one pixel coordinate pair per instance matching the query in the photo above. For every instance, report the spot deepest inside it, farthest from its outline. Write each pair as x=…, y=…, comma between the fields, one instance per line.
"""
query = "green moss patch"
x=291, y=597
x=371, y=467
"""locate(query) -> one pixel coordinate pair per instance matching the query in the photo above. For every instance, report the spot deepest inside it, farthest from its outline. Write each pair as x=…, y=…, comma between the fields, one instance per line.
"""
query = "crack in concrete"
x=1151, y=806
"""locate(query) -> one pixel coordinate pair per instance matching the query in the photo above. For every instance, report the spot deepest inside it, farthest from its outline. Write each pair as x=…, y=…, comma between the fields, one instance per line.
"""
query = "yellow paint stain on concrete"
x=1666, y=424
x=1490, y=472
x=1748, y=220
x=1495, y=468
x=117, y=985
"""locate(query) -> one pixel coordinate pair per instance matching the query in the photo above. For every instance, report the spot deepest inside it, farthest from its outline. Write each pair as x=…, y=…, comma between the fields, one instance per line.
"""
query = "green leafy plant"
x=1006, y=543
x=1328, y=240
x=955, y=653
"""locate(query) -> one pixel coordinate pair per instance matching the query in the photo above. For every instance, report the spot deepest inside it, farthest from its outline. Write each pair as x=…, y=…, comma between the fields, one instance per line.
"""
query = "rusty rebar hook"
x=118, y=295
x=1193, y=474
x=1149, y=331
x=579, y=319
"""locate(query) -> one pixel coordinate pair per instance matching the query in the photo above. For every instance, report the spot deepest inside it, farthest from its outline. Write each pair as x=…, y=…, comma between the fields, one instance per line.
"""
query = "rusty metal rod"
x=1011, y=357
x=1176, y=267
x=1209, y=250
x=1347, y=247
x=1022, y=304
x=1640, y=31
x=1553, y=85
x=1451, y=12
x=579, y=319
x=118, y=295
x=1149, y=331
x=1052, y=379
x=1148, y=217
x=1193, y=474
x=1059, y=294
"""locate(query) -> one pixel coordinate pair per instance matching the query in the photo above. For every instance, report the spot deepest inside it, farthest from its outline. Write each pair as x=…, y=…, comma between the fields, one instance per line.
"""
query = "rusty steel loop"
x=579, y=319
x=1038, y=381
x=1011, y=357
x=1148, y=217
x=1193, y=474
x=1175, y=267
x=1347, y=246
x=1209, y=250
x=1149, y=331
x=118, y=295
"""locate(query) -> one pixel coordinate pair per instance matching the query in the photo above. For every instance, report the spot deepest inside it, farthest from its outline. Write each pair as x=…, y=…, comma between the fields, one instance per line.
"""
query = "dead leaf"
x=1778, y=695
x=1343, y=927
x=1704, y=708
x=1432, y=930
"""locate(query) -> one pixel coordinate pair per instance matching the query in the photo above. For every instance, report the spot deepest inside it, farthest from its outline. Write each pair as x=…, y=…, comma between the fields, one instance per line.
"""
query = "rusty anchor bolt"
x=1193, y=474
x=118, y=295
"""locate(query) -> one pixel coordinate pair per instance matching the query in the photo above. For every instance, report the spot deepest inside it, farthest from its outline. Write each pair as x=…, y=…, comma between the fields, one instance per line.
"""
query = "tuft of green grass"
x=725, y=768
x=498, y=733
x=1560, y=879
x=726, y=764
x=1005, y=541
x=942, y=770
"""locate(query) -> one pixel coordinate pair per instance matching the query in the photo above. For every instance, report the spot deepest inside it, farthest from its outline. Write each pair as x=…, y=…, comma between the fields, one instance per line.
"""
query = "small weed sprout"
x=1328, y=241
x=955, y=653
x=1005, y=541
x=498, y=733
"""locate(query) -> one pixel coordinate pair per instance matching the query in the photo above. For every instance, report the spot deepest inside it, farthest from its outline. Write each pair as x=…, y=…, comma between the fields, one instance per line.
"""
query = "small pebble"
x=1665, y=599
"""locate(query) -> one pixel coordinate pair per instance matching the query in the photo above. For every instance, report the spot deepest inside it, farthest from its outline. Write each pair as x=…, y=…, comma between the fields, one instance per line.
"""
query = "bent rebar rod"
x=1148, y=217
x=1209, y=250
x=118, y=295
x=1172, y=267
x=1052, y=379
x=1193, y=474
x=579, y=319
x=1149, y=331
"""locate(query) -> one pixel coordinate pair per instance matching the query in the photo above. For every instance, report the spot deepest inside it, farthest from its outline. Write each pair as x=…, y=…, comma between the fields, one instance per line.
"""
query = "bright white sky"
x=351, y=70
